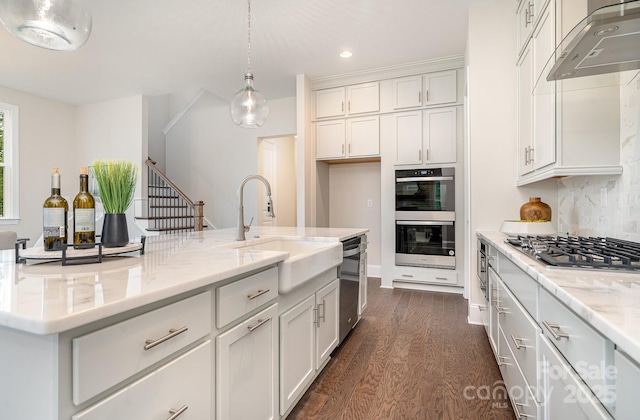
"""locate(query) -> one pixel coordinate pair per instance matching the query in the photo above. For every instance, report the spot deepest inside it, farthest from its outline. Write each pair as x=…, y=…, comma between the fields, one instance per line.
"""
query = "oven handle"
x=425, y=178
x=422, y=223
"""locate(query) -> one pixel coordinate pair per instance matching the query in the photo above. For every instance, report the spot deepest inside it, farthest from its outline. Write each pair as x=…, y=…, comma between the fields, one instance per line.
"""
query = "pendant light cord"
x=248, y=36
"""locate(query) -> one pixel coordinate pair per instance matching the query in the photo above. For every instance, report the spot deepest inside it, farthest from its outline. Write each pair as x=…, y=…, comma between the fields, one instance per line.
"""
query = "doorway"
x=276, y=162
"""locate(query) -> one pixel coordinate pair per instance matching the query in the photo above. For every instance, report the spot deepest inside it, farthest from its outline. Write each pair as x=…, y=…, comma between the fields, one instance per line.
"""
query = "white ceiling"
x=154, y=47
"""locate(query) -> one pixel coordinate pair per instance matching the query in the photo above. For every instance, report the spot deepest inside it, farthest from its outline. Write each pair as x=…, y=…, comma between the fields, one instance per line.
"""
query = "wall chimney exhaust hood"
x=606, y=41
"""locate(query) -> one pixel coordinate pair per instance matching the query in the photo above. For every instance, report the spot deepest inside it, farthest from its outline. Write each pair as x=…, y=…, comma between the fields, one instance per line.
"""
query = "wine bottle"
x=84, y=208
x=54, y=212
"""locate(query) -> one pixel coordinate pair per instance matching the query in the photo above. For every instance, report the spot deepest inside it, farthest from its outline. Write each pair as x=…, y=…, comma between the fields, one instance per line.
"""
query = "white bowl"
x=518, y=227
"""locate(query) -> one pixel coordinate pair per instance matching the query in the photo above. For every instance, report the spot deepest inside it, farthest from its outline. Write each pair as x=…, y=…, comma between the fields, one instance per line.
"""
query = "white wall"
x=158, y=118
x=47, y=140
x=581, y=209
x=114, y=130
x=492, y=127
x=208, y=155
x=352, y=186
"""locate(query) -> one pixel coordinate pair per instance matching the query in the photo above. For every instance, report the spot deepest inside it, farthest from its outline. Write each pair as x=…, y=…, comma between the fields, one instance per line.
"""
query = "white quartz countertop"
x=608, y=300
x=49, y=298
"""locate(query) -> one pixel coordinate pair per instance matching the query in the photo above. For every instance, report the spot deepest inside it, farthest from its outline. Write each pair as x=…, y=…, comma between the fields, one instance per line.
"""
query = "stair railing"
x=168, y=206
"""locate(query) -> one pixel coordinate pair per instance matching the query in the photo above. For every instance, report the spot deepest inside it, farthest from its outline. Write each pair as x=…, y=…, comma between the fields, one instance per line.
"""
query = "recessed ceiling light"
x=346, y=54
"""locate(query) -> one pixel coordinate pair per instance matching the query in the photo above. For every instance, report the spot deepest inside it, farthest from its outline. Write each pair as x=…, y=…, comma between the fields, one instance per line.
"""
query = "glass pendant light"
x=248, y=107
x=62, y=25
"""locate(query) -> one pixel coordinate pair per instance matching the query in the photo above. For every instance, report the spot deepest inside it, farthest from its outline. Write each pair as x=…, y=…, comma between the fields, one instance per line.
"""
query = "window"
x=8, y=163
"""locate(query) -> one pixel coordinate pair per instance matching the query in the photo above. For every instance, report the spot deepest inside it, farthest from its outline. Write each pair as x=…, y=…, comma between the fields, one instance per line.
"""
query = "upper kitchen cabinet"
x=425, y=137
x=351, y=100
x=439, y=88
x=562, y=132
x=350, y=138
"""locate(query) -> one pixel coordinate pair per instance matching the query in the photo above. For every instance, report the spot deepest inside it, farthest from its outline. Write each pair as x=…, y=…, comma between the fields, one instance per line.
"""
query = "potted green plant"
x=116, y=184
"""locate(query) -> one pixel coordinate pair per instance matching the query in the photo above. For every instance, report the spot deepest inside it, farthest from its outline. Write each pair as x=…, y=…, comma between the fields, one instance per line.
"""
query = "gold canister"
x=535, y=211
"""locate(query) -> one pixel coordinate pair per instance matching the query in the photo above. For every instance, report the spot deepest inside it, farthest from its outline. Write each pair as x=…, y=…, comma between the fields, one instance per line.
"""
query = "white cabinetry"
x=562, y=130
x=407, y=92
x=247, y=368
x=425, y=275
x=350, y=138
x=627, y=380
x=565, y=395
x=427, y=137
x=440, y=88
x=179, y=389
x=352, y=100
x=308, y=335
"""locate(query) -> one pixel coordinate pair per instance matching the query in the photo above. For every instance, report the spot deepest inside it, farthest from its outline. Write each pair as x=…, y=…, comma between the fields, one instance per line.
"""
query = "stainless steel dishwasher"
x=349, y=284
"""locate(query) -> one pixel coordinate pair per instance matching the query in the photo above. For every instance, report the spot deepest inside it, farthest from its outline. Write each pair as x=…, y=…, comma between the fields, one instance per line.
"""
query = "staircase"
x=168, y=209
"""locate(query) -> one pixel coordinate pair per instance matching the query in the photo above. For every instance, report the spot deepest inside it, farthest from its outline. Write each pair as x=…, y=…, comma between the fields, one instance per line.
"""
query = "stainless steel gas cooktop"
x=580, y=252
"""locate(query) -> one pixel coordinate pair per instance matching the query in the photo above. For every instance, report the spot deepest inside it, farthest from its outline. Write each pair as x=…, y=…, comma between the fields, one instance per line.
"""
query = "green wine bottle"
x=84, y=212
x=54, y=213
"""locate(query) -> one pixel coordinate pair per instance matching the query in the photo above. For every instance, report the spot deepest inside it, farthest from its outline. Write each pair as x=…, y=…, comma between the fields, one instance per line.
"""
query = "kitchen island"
x=567, y=340
x=63, y=329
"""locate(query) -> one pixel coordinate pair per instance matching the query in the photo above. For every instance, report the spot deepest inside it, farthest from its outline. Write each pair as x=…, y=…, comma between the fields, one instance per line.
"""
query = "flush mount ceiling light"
x=248, y=107
x=62, y=25
x=346, y=54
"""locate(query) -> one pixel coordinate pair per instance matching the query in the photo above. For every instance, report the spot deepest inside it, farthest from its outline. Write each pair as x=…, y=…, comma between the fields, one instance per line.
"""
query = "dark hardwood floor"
x=412, y=356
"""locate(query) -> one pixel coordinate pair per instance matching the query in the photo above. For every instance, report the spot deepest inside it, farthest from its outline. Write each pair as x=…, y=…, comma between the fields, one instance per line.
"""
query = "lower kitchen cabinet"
x=179, y=389
x=308, y=335
x=247, y=368
x=565, y=395
x=627, y=380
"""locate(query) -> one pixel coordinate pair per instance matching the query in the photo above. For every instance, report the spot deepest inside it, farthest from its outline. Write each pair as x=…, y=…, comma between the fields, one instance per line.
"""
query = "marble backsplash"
x=608, y=205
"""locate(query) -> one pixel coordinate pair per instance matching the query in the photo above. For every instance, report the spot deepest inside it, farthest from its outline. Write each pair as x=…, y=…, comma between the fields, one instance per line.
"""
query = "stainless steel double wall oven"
x=425, y=217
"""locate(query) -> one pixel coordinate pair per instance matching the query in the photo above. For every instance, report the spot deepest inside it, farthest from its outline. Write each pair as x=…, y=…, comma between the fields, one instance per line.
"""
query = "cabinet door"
x=544, y=104
x=440, y=135
x=440, y=88
x=247, y=368
x=330, y=139
x=408, y=138
x=363, y=98
x=626, y=388
x=327, y=322
x=362, y=296
x=525, y=111
x=565, y=396
x=183, y=384
x=525, y=23
x=407, y=92
x=364, y=136
x=297, y=339
x=330, y=103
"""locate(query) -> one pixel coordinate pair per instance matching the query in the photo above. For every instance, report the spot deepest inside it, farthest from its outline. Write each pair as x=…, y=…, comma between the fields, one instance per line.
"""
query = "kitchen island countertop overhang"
x=49, y=299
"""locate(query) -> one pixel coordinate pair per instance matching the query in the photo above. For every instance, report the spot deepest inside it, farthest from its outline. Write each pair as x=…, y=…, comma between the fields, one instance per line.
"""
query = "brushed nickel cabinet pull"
x=258, y=293
x=349, y=106
x=482, y=308
x=175, y=413
x=343, y=150
x=322, y=317
x=408, y=275
x=442, y=278
x=260, y=323
x=343, y=106
x=426, y=95
x=419, y=97
x=518, y=342
x=426, y=156
x=315, y=317
x=420, y=155
x=518, y=414
x=554, y=329
x=349, y=148
x=151, y=343
x=502, y=361
x=531, y=155
x=501, y=310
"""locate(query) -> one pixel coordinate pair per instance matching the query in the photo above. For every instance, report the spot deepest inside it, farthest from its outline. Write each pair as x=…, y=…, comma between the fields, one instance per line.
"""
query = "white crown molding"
x=391, y=72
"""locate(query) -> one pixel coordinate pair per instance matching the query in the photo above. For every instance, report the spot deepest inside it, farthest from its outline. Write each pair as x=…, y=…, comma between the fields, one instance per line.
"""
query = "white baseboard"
x=428, y=287
x=374, y=271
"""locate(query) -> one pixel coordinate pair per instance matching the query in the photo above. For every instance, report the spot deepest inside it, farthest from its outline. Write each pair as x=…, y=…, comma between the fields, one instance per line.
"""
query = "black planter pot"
x=114, y=230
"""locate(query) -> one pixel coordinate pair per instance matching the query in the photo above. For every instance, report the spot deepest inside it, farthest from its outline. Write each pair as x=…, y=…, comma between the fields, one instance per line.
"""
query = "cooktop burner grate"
x=580, y=252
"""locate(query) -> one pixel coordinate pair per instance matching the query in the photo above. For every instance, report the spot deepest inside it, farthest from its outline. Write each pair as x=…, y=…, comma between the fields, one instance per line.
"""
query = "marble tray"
x=76, y=256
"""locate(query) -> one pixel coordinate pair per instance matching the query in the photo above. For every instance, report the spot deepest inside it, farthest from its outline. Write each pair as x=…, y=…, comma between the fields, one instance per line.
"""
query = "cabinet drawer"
x=425, y=275
x=522, y=399
x=184, y=382
x=589, y=353
x=521, y=332
x=105, y=357
x=237, y=299
x=523, y=287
